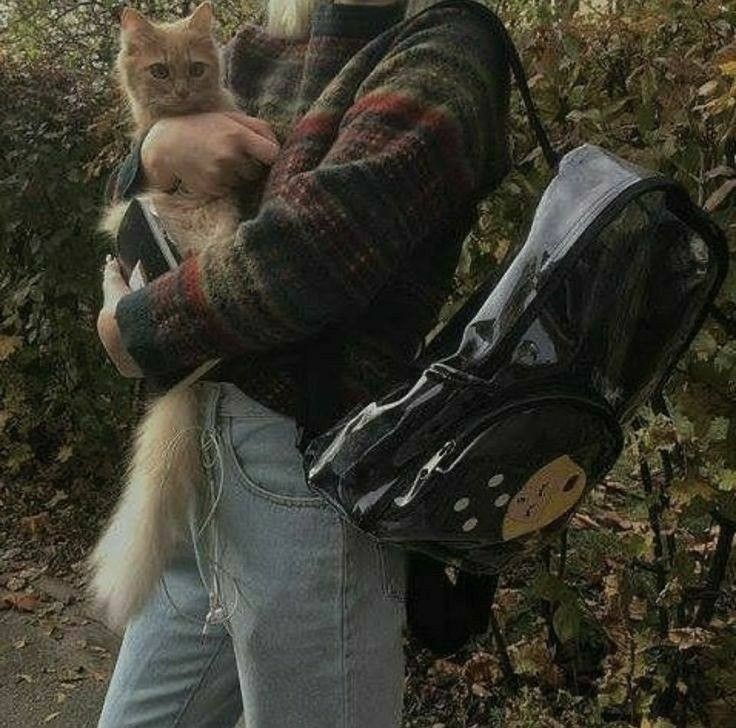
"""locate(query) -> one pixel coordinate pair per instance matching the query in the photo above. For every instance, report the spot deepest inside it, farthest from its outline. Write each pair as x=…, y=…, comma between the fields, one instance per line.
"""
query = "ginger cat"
x=165, y=69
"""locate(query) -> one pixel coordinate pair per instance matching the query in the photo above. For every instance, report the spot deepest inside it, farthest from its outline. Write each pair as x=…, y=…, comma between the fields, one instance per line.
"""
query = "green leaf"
x=718, y=429
x=704, y=346
x=635, y=545
x=726, y=480
x=646, y=117
x=566, y=621
x=725, y=359
x=551, y=588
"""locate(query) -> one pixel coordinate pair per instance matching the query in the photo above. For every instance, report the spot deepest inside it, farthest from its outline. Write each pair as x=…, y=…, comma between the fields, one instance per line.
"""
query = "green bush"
x=654, y=82
x=64, y=411
x=60, y=408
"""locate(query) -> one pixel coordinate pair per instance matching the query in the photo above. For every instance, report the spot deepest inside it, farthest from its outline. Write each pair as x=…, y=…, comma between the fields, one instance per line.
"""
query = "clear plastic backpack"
x=518, y=405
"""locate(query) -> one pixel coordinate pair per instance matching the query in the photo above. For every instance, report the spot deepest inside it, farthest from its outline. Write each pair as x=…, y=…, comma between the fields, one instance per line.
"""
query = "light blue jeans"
x=304, y=614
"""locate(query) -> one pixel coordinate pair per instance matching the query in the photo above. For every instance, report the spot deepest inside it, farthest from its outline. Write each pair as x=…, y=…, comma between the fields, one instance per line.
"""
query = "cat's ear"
x=132, y=21
x=202, y=17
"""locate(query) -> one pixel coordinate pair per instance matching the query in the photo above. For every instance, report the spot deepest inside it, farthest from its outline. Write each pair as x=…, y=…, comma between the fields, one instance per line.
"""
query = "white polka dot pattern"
x=461, y=504
x=495, y=481
x=502, y=500
x=470, y=524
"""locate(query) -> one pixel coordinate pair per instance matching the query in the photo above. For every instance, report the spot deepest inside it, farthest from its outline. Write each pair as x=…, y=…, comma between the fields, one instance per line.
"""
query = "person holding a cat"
x=353, y=139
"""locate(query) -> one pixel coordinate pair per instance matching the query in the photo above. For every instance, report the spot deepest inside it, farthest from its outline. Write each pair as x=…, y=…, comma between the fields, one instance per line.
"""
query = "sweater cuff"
x=356, y=21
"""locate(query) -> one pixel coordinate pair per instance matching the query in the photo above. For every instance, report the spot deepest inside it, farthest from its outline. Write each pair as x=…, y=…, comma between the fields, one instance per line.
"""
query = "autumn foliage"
x=630, y=619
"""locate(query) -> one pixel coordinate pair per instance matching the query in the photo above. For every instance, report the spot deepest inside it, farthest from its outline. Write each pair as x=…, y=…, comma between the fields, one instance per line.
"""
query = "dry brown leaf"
x=65, y=452
x=507, y=601
x=21, y=602
x=638, y=609
x=35, y=525
x=721, y=194
x=15, y=583
x=686, y=638
x=532, y=657
x=72, y=674
x=445, y=667
x=9, y=345
x=611, y=519
x=656, y=723
x=708, y=89
x=483, y=668
x=580, y=522
x=721, y=170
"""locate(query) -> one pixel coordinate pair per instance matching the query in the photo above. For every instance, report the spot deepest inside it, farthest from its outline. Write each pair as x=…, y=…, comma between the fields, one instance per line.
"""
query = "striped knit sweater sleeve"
x=384, y=157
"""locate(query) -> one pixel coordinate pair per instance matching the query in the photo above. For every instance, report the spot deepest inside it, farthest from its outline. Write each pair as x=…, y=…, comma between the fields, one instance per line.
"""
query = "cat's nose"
x=182, y=92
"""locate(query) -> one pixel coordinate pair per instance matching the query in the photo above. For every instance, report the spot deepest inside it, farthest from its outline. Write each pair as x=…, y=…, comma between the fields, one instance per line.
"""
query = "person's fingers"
x=259, y=126
x=109, y=334
x=114, y=286
x=253, y=143
x=111, y=275
x=106, y=330
x=258, y=147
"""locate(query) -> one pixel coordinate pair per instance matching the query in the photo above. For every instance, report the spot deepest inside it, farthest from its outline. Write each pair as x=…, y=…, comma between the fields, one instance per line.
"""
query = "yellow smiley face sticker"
x=551, y=492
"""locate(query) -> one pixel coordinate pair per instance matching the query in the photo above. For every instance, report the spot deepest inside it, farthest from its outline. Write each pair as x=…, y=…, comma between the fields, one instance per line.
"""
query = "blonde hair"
x=292, y=18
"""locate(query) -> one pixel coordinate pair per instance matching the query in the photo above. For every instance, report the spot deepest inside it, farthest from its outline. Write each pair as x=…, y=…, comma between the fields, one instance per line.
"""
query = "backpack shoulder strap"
x=517, y=67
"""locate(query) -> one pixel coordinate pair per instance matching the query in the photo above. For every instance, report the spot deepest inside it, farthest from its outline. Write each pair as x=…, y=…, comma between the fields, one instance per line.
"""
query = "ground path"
x=55, y=661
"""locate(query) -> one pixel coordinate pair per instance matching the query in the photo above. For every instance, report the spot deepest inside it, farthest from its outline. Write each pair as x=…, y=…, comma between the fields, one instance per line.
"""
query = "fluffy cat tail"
x=150, y=519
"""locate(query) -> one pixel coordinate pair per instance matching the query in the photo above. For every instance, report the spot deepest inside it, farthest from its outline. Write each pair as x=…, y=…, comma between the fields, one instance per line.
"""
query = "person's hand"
x=114, y=288
x=209, y=153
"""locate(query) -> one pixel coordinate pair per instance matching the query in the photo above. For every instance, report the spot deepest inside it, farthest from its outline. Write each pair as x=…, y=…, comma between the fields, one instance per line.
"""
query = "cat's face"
x=170, y=69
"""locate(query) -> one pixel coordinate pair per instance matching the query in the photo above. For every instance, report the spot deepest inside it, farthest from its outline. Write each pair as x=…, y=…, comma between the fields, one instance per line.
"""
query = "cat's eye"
x=197, y=69
x=159, y=70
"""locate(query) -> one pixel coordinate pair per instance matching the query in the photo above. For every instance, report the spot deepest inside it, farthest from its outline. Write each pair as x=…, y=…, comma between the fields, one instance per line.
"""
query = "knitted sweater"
x=390, y=131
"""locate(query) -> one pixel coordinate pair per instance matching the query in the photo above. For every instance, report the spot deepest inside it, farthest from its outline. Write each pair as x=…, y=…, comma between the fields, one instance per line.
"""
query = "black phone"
x=142, y=239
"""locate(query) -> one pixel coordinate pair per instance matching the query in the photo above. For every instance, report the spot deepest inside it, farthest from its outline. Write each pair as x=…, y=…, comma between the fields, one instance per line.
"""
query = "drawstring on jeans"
x=211, y=453
x=211, y=460
x=210, y=457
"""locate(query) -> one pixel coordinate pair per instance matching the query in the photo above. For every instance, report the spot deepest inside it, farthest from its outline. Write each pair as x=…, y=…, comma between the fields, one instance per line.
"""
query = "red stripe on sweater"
x=333, y=235
x=414, y=117
x=317, y=123
x=392, y=103
x=191, y=284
